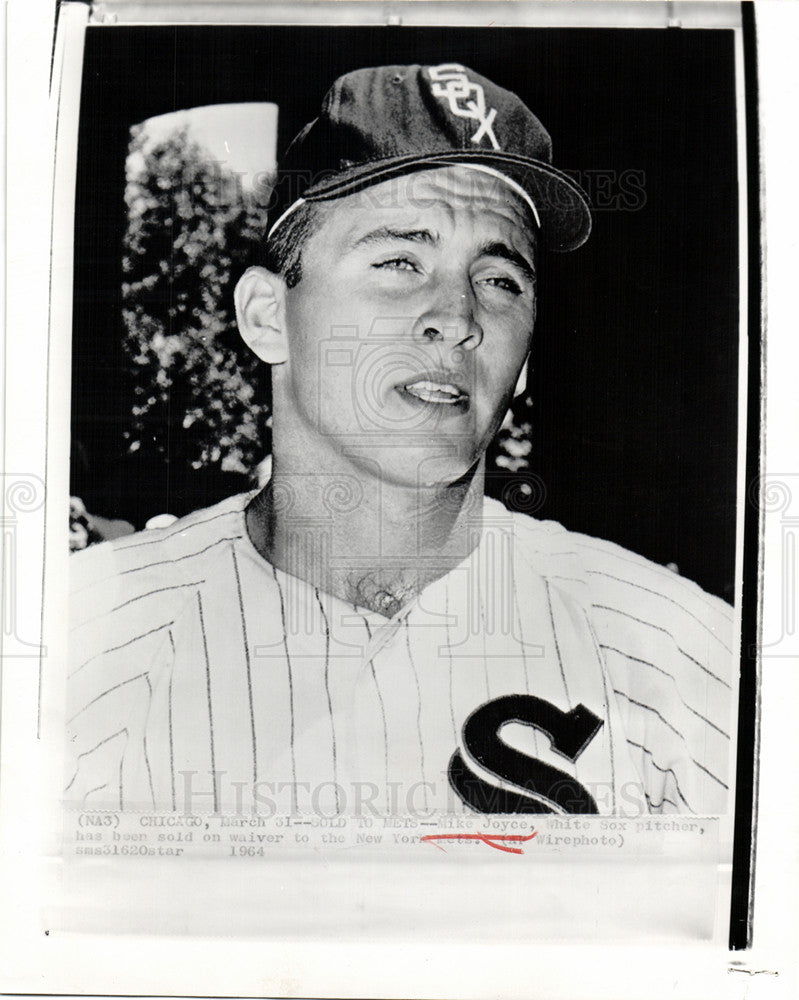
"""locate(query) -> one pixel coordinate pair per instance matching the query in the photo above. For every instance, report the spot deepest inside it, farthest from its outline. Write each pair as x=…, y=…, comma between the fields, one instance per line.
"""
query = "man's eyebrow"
x=494, y=249
x=498, y=249
x=385, y=233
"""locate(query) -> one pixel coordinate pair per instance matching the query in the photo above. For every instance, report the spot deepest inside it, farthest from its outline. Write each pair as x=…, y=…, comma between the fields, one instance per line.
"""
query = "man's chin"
x=432, y=462
x=438, y=473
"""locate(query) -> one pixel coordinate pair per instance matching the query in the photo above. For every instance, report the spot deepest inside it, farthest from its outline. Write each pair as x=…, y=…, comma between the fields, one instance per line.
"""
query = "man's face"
x=411, y=323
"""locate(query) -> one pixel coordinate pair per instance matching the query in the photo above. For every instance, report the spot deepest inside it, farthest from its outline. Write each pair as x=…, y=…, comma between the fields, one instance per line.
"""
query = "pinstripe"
x=663, y=770
x=380, y=700
x=611, y=741
x=163, y=562
x=210, y=707
x=246, y=642
x=659, y=628
x=658, y=805
x=171, y=736
x=660, y=670
x=707, y=722
x=481, y=600
x=177, y=559
x=418, y=702
x=132, y=600
x=665, y=574
x=291, y=692
x=327, y=693
x=128, y=544
x=383, y=718
x=523, y=643
x=485, y=651
x=114, y=649
x=451, y=665
x=107, y=691
x=106, y=739
x=555, y=555
x=665, y=597
x=570, y=579
x=144, y=747
x=649, y=708
x=710, y=774
x=557, y=646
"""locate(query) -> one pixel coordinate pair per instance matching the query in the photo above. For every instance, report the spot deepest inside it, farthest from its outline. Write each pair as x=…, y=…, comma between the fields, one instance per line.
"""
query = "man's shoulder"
x=125, y=579
x=670, y=654
x=156, y=549
x=637, y=608
x=608, y=569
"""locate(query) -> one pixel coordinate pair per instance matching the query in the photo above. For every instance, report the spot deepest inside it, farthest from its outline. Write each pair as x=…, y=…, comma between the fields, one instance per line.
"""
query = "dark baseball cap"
x=379, y=123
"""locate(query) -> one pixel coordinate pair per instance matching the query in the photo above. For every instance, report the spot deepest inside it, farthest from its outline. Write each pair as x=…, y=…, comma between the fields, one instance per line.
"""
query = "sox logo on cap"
x=385, y=121
x=451, y=83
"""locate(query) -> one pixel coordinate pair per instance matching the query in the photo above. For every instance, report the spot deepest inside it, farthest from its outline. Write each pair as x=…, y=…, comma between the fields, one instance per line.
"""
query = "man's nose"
x=452, y=321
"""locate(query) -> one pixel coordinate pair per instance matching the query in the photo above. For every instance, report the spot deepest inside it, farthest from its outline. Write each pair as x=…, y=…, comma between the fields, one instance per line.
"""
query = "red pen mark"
x=492, y=839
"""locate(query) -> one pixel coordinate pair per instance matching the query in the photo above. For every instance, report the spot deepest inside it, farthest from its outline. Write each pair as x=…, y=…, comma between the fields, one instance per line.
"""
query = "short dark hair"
x=283, y=254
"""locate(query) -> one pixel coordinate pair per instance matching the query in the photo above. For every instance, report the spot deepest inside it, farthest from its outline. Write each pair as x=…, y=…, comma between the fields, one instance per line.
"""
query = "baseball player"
x=369, y=633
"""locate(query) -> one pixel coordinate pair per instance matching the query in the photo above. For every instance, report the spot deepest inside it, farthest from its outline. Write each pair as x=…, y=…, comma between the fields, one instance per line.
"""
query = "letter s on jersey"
x=542, y=788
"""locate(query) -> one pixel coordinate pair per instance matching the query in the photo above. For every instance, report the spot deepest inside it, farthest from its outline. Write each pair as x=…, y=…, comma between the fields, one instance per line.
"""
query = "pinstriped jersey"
x=547, y=672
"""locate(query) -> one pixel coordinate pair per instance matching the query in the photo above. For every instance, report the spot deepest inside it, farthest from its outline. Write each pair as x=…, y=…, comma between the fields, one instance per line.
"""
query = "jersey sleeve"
x=672, y=657
x=127, y=599
x=118, y=632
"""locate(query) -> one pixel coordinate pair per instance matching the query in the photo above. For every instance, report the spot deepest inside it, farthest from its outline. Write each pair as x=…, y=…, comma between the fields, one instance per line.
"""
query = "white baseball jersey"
x=548, y=672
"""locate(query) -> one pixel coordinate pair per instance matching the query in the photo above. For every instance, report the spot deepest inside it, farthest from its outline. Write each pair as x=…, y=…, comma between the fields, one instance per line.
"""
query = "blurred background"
x=629, y=427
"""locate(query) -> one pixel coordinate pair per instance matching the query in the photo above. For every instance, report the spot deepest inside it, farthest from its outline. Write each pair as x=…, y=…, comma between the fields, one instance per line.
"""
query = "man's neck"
x=367, y=541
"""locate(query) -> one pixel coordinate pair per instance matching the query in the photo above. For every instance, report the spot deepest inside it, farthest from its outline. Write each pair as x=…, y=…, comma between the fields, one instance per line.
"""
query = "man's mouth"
x=439, y=392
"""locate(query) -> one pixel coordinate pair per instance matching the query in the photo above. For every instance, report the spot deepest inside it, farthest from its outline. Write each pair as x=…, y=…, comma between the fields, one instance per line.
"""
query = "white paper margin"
x=33, y=962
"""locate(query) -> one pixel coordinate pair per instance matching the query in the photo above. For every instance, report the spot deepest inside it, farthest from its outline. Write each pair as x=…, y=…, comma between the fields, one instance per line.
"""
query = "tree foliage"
x=200, y=397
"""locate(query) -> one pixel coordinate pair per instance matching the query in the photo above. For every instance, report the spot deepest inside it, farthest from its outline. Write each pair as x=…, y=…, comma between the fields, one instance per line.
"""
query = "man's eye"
x=507, y=284
x=396, y=264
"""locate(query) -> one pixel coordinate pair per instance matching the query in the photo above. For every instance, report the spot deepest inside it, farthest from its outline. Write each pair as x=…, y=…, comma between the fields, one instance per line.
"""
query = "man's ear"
x=260, y=299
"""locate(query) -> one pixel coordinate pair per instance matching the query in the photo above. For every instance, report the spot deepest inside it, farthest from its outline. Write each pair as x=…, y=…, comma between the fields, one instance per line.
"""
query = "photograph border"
x=746, y=836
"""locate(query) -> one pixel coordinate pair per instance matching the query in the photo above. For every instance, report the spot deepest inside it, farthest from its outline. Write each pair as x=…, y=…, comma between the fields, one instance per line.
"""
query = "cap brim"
x=562, y=205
